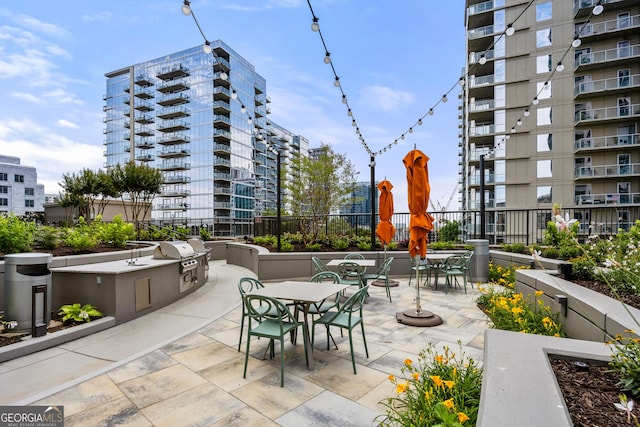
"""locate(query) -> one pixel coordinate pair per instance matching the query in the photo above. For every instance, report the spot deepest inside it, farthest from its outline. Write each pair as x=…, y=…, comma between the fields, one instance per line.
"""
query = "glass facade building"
x=201, y=119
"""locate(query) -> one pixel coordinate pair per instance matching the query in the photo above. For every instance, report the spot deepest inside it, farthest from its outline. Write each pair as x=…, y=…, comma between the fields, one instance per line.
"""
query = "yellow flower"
x=436, y=380
x=428, y=394
x=392, y=378
x=439, y=358
x=416, y=376
x=450, y=384
x=516, y=310
x=462, y=417
x=538, y=293
x=448, y=403
x=400, y=388
x=407, y=362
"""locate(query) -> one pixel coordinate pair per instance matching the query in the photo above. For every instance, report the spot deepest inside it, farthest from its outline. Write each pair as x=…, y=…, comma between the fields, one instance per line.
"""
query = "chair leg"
x=364, y=339
x=246, y=358
x=386, y=285
x=353, y=358
x=241, y=330
x=281, y=361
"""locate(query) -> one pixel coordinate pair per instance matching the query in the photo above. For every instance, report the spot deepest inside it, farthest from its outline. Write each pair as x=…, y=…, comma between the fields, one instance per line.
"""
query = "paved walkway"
x=180, y=365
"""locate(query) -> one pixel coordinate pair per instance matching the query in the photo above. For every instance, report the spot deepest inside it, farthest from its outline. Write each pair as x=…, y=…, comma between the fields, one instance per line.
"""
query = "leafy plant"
x=441, y=246
x=439, y=390
x=340, y=243
x=116, y=232
x=16, y=235
x=204, y=234
x=518, y=248
x=78, y=313
x=313, y=247
x=81, y=237
x=583, y=268
x=449, y=232
x=47, y=237
x=626, y=362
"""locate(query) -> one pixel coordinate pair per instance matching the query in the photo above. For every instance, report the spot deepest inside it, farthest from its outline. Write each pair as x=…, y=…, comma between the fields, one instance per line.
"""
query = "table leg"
x=307, y=340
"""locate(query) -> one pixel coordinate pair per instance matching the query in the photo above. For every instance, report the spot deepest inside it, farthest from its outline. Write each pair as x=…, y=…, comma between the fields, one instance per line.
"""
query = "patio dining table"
x=361, y=262
x=435, y=261
x=304, y=294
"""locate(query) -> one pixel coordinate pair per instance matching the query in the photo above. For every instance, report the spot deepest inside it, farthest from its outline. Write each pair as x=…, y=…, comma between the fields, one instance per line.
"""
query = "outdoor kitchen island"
x=130, y=288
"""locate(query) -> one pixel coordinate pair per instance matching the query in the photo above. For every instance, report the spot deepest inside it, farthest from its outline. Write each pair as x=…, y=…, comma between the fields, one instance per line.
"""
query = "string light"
x=315, y=27
x=207, y=47
x=510, y=30
x=327, y=58
x=560, y=67
x=576, y=43
x=526, y=112
x=336, y=82
x=444, y=98
x=186, y=7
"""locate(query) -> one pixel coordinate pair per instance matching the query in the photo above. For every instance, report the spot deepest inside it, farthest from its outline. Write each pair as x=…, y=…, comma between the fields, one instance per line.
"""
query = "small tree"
x=318, y=186
x=141, y=183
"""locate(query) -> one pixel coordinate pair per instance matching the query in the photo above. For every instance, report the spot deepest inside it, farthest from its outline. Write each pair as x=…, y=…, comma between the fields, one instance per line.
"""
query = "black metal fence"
x=525, y=226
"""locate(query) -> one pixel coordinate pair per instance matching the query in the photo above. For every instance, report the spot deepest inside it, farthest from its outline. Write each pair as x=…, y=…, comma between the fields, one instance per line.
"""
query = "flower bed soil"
x=590, y=395
x=56, y=324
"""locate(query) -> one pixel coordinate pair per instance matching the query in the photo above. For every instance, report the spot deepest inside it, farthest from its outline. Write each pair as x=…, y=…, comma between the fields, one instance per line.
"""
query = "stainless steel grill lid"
x=174, y=250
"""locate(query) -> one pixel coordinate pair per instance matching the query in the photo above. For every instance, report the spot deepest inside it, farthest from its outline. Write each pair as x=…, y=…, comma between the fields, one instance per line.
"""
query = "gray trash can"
x=27, y=291
x=479, y=260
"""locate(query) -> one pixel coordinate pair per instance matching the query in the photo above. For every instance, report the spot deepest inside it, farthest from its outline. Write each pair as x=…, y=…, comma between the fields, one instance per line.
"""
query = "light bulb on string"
x=510, y=30
x=410, y=130
x=327, y=58
x=513, y=129
x=314, y=25
x=598, y=9
x=431, y=111
x=224, y=76
x=526, y=112
x=336, y=82
x=243, y=109
x=576, y=42
x=560, y=67
x=357, y=131
x=419, y=122
x=206, y=47
x=349, y=113
x=344, y=99
x=535, y=101
x=507, y=136
x=402, y=136
x=519, y=122
x=250, y=121
x=234, y=94
x=186, y=9
x=461, y=81
x=444, y=98
x=482, y=60
x=353, y=122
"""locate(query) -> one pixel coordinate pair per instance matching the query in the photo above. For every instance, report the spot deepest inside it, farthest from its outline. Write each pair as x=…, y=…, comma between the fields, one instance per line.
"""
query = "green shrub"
x=569, y=251
x=583, y=268
x=625, y=362
x=313, y=247
x=449, y=232
x=392, y=246
x=285, y=246
x=16, y=235
x=204, y=234
x=117, y=232
x=81, y=237
x=440, y=246
x=364, y=246
x=340, y=244
x=517, y=248
x=553, y=253
x=47, y=237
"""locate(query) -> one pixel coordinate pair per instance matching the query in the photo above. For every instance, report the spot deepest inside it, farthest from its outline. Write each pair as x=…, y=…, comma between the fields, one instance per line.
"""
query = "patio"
x=198, y=377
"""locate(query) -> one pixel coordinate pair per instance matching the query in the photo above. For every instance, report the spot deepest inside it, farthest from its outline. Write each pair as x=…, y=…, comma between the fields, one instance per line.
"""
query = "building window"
x=4, y=189
x=544, y=169
x=18, y=178
x=543, y=64
x=543, y=12
x=29, y=192
x=543, y=116
x=544, y=142
x=3, y=176
x=28, y=203
x=544, y=194
x=543, y=37
x=543, y=219
x=501, y=196
x=582, y=194
x=4, y=202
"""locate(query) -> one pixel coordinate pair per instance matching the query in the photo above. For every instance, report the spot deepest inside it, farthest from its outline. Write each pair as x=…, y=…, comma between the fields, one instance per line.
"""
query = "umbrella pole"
x=418, y=279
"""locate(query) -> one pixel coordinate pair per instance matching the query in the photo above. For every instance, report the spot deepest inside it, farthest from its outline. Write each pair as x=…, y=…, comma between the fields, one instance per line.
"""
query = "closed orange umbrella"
x=418, y=189
x=385, y=230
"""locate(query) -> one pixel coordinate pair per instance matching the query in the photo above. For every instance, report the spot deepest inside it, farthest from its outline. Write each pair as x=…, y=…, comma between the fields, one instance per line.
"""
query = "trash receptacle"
x=479, y=260
x=27, y=291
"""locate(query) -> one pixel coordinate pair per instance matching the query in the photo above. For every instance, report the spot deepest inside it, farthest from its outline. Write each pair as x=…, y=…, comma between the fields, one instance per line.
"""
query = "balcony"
x=607, y=113
x=144, y=119
x=584, y=7
x=143, y=93
x=482, y=129
x=608, y=199
x=142, y=105
x=489, y=178
x=143, y=80
x=222, y=135
x=221, y=190
x=482, y=105
x=174, y=166
x=221, y=107
x=480, y=32
x=258, y=101
x=619, y=25
x=144, y=143
x=219, y=119
x=172, y=72
x=221, y=64
x=175, y=193
x=144, y=158
x=177, y=179
x=604, y=85
x=606, y=142
x=173, y=139
x=484, y=7
x=168, y=153
x=474, y=57
x=172, y=206
x=600, y=58
x=169, y=99
x=481, y=81
x=173, y=125
x=220, y=92
x=222, y=149
x=222, y=176
x=144, y=131
x=607, y=171
x=173, y=112
x=218, y=161
x=173, y=86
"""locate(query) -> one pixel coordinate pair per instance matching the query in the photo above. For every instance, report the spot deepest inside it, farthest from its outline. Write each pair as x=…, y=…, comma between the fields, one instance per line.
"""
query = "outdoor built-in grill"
x=185, y=253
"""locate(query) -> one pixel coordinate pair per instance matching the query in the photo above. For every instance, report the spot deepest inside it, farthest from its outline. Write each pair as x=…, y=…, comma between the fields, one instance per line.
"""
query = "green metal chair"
x=348, y=316
x=455, y=267
x=273, y=323
x=318, y=265
x=418, y=269
x=382, y=273
x=246, y=285
x=327, y=304
x=355, y=255
x=351, y=273
x=467, y=255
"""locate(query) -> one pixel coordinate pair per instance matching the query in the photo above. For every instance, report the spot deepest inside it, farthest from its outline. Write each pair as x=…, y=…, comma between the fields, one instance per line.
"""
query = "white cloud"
x=98, y=17
x=40, y=26
x=384, y=98
x=66, y=124
x=47, y=150
x=28, y=97
x=257, y=5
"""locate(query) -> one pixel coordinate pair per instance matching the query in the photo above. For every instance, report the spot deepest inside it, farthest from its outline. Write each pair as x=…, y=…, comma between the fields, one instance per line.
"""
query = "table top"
x=300, y=291
x=360, y=262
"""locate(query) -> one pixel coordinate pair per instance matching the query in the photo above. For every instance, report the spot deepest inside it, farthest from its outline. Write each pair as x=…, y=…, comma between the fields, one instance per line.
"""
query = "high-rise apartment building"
x=20, y=192
x=201, y=119
x=551, y=102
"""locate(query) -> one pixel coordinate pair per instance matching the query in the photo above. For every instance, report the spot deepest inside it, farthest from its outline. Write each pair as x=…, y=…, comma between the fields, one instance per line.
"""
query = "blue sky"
x=395, y=60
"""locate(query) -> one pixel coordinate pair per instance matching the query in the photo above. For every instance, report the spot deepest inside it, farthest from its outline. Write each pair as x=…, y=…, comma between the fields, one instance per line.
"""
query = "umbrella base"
x=392, y=283
x=423, y=318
